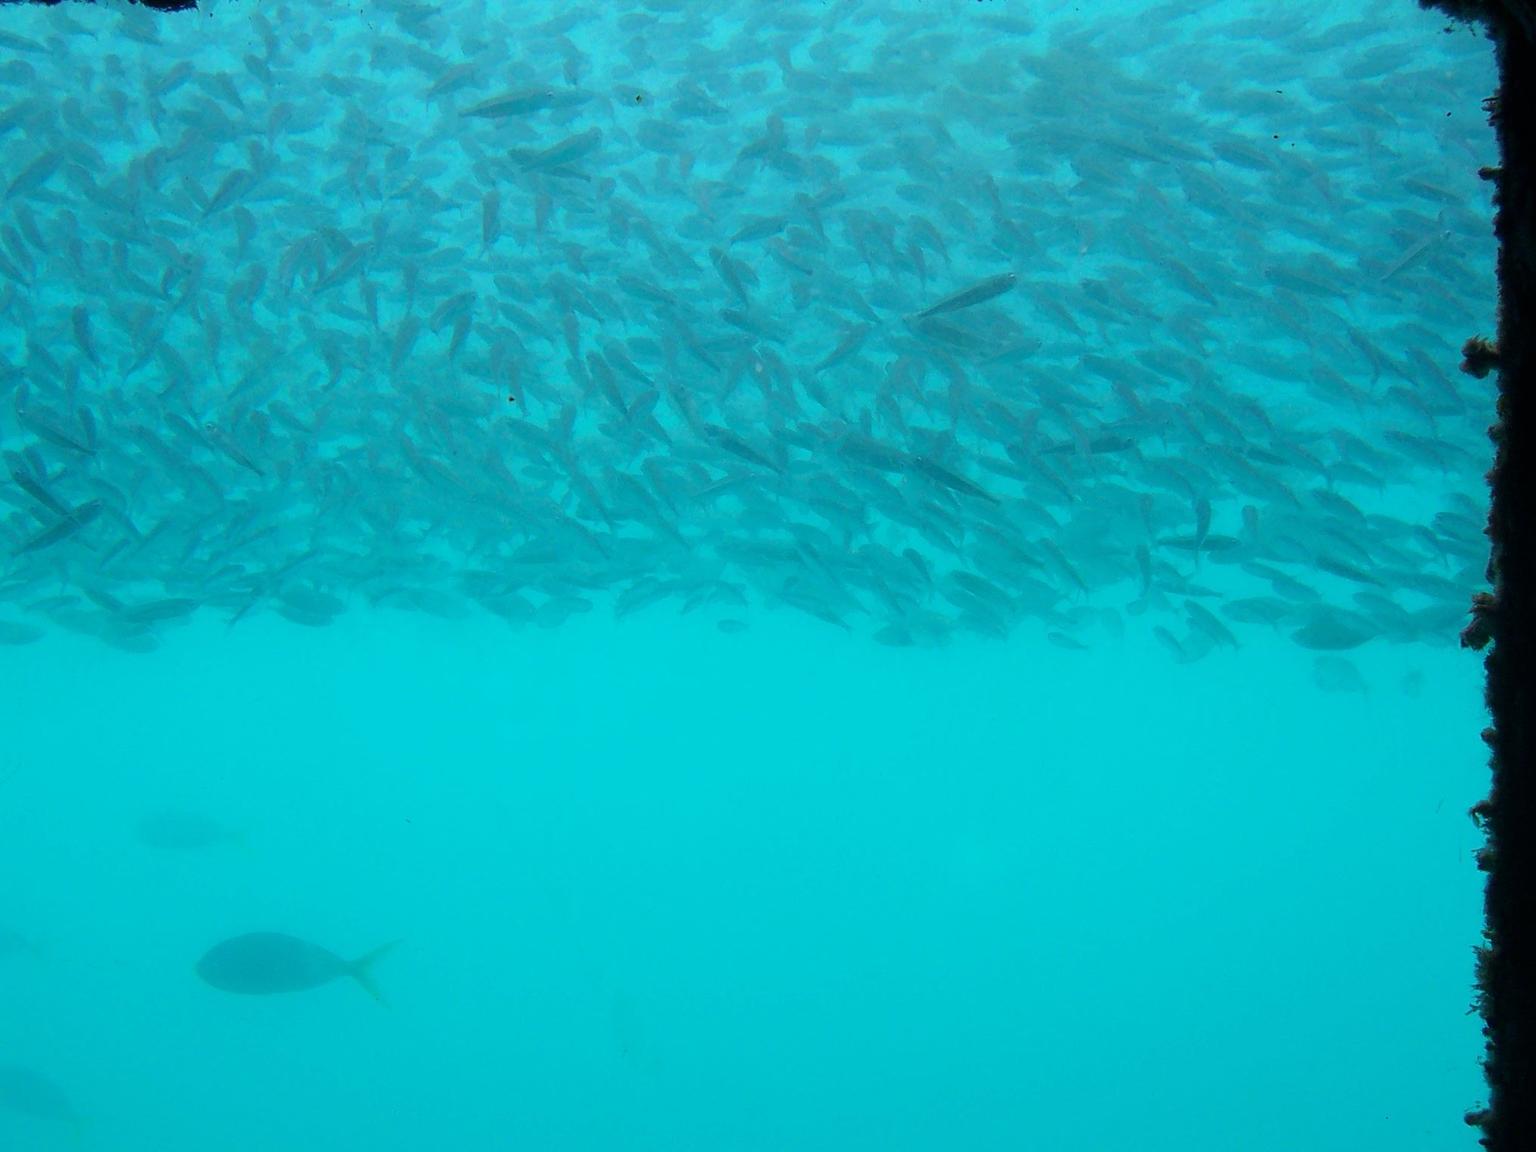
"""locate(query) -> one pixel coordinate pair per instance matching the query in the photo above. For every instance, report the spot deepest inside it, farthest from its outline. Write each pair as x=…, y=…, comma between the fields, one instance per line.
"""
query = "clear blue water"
x=486, y=480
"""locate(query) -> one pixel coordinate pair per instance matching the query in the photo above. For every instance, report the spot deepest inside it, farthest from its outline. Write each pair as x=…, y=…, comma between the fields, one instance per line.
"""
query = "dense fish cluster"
x=921, y=319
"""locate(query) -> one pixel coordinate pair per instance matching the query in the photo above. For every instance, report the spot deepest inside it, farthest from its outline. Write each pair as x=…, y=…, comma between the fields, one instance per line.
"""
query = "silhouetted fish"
x=1333, y=630
x=265, y=963
x=33, y=1094
x=1336, y=674
x=13, y=943
x=18, y=632
x=175, y=830
x=978, y=293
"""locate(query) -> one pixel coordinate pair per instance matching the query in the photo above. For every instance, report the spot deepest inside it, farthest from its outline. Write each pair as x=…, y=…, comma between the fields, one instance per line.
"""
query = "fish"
x=1337, y=674
x=34, y=175
x=1207, y=543
x=14, y=633
x=35, y=490
x=13, y=943
x=272, y=963
x=1332, y=630
x=852, y=340
x=178, y=830
x=74, y=520
x=1202, y=620
x=29, y=1092
x=953, y=481
x=978, y=293
x=21, y=43
x=561, y=153
x=526, y=101
x=759, y=228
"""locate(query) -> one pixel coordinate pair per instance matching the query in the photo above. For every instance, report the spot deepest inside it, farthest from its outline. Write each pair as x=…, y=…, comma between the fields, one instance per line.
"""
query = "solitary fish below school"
x=178, y=831
x=266, y=963
x=13, y=943
x=33, y=1094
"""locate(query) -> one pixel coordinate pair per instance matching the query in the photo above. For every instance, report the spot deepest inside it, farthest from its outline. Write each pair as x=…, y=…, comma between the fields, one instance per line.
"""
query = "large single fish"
x=266, y=963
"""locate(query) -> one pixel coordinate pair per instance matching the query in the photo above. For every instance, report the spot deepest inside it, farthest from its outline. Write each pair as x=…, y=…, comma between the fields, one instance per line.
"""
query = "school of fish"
x=991, y=323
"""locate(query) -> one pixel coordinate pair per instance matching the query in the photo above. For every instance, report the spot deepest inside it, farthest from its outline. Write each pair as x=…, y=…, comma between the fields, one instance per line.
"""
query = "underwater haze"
x=821, y=575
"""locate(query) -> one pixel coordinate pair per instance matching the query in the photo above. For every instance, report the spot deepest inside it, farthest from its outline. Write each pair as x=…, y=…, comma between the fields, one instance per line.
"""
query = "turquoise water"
x=830, y=576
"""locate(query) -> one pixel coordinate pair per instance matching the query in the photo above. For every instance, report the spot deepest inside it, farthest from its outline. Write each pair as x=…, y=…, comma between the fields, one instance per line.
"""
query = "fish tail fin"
x=361, y=970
